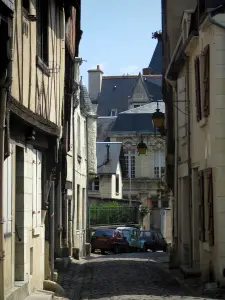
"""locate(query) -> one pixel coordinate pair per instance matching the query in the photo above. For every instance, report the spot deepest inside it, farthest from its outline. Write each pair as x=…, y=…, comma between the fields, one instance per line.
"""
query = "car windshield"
x=107, y=232
x=126, y=233
x=146, y=234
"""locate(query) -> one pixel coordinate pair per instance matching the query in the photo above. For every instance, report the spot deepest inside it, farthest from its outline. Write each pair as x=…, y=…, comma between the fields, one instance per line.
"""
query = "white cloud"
x=132, y=70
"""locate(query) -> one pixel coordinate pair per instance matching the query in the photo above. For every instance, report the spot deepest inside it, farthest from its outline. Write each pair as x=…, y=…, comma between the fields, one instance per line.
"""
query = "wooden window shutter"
x=197, y=89
x=206, y=81
x=210, y=207
x=201, y=207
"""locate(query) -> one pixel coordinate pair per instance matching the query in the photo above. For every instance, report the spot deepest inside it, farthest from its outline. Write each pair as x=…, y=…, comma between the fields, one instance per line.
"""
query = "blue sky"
x=117, y=35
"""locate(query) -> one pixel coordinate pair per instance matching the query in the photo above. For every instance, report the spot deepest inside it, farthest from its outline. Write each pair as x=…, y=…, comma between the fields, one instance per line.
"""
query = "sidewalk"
x=192, y=284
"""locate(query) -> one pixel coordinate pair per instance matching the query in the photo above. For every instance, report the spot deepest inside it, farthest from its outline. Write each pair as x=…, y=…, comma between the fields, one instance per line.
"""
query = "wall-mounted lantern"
x=158, y=118
x=142, y=148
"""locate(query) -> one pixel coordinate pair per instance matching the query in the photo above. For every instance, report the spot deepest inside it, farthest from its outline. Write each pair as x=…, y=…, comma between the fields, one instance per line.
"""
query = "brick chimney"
x=146, y=71
x=95, y=82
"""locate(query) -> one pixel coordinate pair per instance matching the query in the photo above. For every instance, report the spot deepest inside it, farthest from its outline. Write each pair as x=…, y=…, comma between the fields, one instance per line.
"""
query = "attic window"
x=113, y=112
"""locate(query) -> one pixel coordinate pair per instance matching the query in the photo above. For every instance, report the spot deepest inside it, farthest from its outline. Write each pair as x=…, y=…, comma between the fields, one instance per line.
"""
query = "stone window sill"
x=42, y=66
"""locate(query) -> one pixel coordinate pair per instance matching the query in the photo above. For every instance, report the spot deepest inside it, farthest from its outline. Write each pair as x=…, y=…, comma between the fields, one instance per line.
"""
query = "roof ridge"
x=131, y=76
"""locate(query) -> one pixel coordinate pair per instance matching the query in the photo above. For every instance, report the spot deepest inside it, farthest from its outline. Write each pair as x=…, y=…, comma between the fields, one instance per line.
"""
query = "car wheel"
x=102, y=251
x=117, y=249
x=165, y=249
x=93, y=250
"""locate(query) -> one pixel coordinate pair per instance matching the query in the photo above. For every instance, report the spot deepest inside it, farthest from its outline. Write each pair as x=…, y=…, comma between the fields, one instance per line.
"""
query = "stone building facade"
x=199, y=141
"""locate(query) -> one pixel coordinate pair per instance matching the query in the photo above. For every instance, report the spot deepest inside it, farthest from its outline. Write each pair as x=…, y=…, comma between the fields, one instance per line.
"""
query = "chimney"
x=146, y=71
x=95, y=82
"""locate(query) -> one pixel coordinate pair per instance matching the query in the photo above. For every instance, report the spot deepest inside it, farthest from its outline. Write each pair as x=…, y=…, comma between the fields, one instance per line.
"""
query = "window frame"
x=42, y=40
x=130, y=161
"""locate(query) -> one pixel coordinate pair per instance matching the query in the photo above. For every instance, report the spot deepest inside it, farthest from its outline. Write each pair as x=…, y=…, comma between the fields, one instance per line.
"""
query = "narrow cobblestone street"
x=135, y=276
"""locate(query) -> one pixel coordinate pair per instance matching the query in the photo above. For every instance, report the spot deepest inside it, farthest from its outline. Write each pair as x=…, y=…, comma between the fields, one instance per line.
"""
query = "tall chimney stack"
x=95, y=82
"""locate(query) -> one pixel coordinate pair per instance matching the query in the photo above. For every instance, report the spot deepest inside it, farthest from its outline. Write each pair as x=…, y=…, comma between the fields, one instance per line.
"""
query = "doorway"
x=19, y=217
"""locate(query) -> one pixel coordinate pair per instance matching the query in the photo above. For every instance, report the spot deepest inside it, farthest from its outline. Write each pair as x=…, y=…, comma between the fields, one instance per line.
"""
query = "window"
x=159, y=163
x=206, y=211
x=202, y=84
x=42, y=29
x=26, y=4
x=94, y=185
x=136, y=105
x=198, y=90
x=113, y=112
x=78, y=206
x=117, y=184
x=156, y=172
x=78, y=136
x=130, y=163
x=37, y=189
x=206, y=81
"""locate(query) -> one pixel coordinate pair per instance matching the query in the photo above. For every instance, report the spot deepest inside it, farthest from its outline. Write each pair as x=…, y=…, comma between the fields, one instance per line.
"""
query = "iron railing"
x=113, y=215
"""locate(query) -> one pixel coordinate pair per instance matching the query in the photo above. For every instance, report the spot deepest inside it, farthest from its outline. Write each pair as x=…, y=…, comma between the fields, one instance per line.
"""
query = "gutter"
x=172, y=82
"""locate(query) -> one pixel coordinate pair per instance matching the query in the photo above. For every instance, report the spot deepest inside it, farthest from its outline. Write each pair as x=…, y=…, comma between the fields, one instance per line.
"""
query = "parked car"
x=132, y=236
x=109, y=240
x=153, y=240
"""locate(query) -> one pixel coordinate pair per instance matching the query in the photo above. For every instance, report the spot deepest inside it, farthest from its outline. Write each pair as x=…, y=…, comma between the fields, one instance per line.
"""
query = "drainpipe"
x=173, y=83
x=189, y=164
x=5, y=83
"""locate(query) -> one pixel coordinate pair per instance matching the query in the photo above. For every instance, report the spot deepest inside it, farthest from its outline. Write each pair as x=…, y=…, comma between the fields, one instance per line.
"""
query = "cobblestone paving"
x=126, y=276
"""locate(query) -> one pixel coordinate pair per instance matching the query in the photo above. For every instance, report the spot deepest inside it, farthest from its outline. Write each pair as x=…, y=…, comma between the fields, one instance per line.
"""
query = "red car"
x=109, y=239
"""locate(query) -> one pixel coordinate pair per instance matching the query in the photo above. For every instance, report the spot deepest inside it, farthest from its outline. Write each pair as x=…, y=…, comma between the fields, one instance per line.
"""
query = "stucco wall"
x=33, y=88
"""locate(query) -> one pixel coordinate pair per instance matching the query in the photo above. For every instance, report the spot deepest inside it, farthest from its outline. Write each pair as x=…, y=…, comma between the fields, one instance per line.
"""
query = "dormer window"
x=113, y=112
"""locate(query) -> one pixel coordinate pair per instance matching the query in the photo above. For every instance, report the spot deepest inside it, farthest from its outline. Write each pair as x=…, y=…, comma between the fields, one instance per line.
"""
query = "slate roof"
x=117, y=89
x=133, y=124
x=104, y=125
x=85, y=101
x=156, y=60
x=103, y=166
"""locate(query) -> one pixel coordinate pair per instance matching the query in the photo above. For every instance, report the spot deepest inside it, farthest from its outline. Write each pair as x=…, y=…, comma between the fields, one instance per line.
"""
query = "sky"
x=117, y=35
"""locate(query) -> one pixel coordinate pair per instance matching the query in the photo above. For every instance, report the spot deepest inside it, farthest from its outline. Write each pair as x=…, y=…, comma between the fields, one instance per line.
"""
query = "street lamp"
x=158, y=118
x=142, y=148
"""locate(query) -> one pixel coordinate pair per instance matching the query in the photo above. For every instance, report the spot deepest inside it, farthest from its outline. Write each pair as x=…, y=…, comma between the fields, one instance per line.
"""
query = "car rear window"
x=147, y=234
x=126, y=233
x=106, y=232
